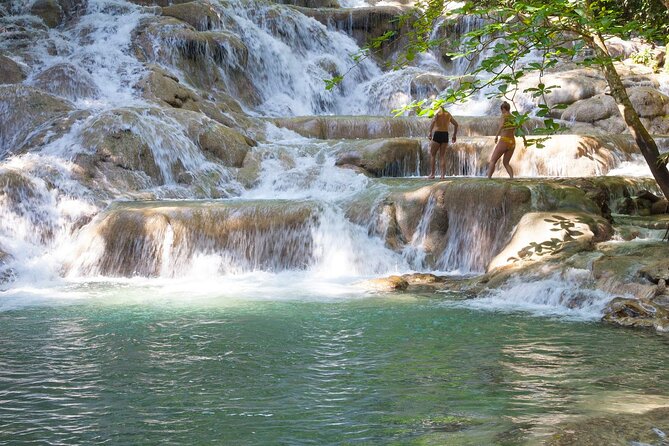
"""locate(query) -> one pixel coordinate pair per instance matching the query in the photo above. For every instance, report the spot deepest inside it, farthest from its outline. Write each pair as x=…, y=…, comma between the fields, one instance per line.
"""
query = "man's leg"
x=434, y=147
x=442, y=158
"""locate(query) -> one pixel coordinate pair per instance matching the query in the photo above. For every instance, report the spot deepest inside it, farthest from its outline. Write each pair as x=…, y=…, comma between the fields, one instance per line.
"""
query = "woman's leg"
x=507, y=157
x=500, y=148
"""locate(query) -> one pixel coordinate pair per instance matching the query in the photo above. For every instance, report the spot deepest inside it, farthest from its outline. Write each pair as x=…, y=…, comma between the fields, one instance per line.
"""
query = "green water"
x=410, y=370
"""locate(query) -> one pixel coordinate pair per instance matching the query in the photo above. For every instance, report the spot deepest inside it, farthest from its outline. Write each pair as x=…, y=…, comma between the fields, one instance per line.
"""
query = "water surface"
x=406, y=369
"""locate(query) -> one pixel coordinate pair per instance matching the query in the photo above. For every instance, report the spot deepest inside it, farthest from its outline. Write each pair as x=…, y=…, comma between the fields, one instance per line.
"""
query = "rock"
x=390, y=283
x=199, y=56
x=659, y=126
x=540, y=234
x=628, y=429
x=385, y=158
x=226, y=144
x=67, y=81
x=574, y=85
x=659, y=207
x=647, y=195
x=30, y=108
x=163, y=87
x=443, y=220
x=590, y=110
x=312, y=3
x=429, y=85
x=649, y=102
x=200, y=15
x=49, y=11
x=113, y=138
x=134, y=237
x=612, y=125
x=362, y=24
x=422, y=279
x=656, y=271
x=10, y=71
x=626, y=206
x=637, y=313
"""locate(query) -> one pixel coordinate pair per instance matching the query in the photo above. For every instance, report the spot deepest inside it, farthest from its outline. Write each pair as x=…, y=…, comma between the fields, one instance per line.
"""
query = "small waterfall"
x=477, y=229
x=415, y=252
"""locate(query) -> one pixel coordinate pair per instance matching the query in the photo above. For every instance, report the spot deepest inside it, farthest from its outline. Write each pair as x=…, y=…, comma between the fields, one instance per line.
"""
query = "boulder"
x=67, y=81
x=637, y=313
x=390, y=283
x=133, y=237
x=10, y=71
x=199, y=56
x=201, y=15
x=429, y=85
x=113, y=139
x=659, y=126
x=656, y=271
x=225, y=144
x=574, y=85
x=659, y=207
x=385, y=158
x=312, y=3
x=24, y=110
x=590, y=110
x=540, y=234
x=362, y=24
x=49, y=11
x=649, y=102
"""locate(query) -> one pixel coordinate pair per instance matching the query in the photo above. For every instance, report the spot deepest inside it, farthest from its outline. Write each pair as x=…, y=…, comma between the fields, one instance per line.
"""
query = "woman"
x=505, y=140
x=438, y=136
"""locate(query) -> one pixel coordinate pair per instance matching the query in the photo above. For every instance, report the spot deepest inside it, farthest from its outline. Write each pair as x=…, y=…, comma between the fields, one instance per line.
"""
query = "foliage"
x=647, y=58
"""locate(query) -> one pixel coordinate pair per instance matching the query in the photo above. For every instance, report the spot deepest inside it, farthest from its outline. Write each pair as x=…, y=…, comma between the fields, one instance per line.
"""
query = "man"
x=439, y=139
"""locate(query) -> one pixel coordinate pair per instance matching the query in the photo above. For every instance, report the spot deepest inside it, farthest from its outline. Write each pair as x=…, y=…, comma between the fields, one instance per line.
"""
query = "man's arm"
x=455, y=128
x=429, y=135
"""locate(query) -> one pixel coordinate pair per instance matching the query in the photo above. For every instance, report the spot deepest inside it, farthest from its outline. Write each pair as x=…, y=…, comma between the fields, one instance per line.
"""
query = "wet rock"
x=163, y=87
x=593, y=109
x=199, y=14
x=385, y=158
x=312, y=3
x=199, y=56
x=428, y=85
x=637, y=313
x=226, y=144
x=625, y=206
x=659, y=207
x=618, y=429
x=390, y=283
x=656, y=271
x=67, y=81
x=133, y=236
x=49, y=11
x=423, y=279
x=362, y=24
x=30, y=108
x=10, y=71
x=649, y=102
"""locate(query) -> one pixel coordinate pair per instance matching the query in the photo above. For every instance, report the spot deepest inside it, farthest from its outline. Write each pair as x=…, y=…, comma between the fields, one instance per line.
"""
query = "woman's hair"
x=505, y=106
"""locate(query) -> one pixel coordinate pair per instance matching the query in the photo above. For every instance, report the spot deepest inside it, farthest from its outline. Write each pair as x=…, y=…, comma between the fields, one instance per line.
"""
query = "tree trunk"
x=646, y=143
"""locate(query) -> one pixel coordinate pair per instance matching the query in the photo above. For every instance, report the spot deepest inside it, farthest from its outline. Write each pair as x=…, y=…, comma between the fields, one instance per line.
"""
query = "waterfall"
x=197, y=140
